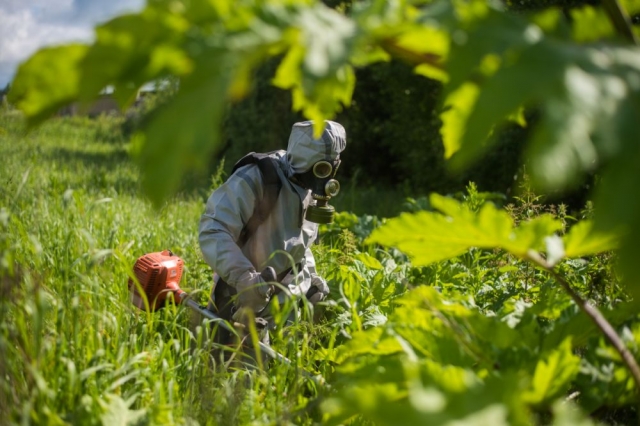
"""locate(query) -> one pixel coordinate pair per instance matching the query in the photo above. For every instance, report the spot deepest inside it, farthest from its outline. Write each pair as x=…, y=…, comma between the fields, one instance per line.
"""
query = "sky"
x=27, y=25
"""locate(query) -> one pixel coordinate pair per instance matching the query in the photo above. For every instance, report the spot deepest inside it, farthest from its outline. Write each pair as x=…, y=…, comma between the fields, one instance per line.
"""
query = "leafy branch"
x=429, y=237
x=594, y=314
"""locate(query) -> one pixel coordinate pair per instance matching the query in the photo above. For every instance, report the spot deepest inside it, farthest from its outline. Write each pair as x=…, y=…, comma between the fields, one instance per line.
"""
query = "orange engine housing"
x=159, y=275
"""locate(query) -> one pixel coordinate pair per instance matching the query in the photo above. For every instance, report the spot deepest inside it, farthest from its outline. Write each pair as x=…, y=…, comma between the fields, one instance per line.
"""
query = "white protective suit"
x=285, y=232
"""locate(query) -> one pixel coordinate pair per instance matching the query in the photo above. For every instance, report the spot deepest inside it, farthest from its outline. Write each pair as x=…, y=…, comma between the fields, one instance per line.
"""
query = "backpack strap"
x=269, y=170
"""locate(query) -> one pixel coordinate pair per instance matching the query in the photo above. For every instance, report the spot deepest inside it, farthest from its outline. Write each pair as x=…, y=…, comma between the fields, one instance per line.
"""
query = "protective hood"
x=303, y=150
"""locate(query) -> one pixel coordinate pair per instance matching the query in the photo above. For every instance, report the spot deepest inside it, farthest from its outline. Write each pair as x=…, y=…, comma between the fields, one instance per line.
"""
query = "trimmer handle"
x=268, y=274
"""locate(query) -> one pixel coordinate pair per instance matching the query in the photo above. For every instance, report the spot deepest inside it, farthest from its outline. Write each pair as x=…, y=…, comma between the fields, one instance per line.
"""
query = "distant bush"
x=393, y=133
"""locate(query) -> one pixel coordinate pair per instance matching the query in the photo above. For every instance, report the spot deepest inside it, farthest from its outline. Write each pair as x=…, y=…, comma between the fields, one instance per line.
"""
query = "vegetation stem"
x=620, y=20
x=595, y=315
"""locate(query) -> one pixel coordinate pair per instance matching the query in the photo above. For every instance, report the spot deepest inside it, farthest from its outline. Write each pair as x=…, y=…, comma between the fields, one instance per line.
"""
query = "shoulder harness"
x=269, y=170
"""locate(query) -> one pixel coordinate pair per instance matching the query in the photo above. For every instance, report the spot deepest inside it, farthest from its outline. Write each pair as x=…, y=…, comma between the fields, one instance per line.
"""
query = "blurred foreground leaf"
x=133, y=49
x=553, y=374
x=47, y=81
x=429, y=237
x=421, y=368
x=583, y=240
x=588, y=99
x=178, y=139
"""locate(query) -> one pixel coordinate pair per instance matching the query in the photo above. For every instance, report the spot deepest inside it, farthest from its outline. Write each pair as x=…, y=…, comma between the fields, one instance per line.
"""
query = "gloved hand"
x=318, y=291
x=253, y=292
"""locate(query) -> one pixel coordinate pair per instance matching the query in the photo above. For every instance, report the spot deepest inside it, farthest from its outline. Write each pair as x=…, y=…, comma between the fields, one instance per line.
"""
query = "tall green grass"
x=73, y=349
x=463, y=341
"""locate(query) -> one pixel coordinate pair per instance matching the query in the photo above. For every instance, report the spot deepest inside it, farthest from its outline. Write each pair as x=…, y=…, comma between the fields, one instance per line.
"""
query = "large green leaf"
x=316, y=67
x=393, y=390
x=202, y=12
x=581, y=328
x=588, y=98
x=133, y=49
x=533, y=75
x=618, y=202
x=429, y=237
x=583, y=120
x=495, y=34
x=590, y=24
x=452, y=337
x=475, y=56
x=47, y=81
x=179, y=137
x=459, y=105
x=553, y=374
x=431, y=43
x=583, y=240
x=449, y=332
x=402, y=31
x=567, y=414
x=327, y=36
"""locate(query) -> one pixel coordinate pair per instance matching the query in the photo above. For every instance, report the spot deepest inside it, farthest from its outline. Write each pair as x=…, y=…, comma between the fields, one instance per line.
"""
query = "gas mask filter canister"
x=320, y=179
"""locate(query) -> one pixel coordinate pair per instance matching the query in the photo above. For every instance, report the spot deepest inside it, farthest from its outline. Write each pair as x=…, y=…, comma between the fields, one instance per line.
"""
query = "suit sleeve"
x=308, y=269
x=227, y=212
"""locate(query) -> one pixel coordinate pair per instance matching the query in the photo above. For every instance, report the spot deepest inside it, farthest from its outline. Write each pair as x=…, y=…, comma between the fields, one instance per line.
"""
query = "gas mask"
x=320, y=180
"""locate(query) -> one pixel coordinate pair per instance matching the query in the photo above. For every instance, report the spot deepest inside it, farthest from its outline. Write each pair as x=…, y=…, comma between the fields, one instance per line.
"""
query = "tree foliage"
x=492, y=63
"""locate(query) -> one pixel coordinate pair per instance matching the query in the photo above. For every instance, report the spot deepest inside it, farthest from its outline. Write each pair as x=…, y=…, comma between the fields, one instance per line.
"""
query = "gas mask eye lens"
x=332, y=188
x=322, y=169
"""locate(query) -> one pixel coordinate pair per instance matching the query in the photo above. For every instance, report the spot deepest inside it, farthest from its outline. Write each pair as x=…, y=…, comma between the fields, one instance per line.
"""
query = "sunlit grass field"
x=73, y=349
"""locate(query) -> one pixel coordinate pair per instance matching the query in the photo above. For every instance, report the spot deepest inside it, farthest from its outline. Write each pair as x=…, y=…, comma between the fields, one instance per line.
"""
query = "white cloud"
x=98, y=10
x=27, y=25
x=46, y=7
x=22, y=34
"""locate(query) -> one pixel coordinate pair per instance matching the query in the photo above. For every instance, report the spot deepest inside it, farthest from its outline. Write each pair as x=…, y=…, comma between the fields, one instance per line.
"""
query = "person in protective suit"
x=283, y=236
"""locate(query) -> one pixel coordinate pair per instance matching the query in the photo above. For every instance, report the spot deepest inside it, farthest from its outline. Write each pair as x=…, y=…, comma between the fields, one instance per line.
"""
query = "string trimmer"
x=159, y=276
